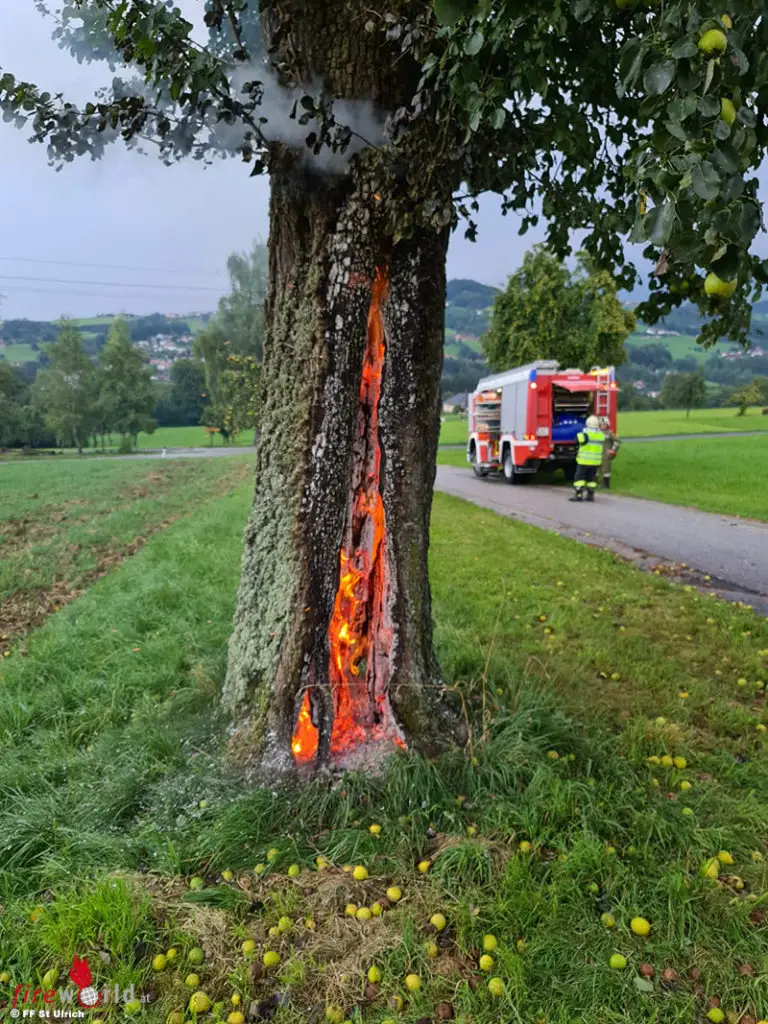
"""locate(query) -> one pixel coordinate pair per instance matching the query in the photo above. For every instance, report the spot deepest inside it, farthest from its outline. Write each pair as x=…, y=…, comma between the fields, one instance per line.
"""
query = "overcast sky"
x=65, y=237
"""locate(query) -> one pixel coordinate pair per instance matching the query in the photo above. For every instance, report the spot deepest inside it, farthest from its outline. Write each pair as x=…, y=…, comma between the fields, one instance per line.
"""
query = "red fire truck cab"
x=526, y=420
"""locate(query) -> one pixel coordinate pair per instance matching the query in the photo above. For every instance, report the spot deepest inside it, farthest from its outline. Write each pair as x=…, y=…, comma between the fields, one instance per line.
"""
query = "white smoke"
x=362, y=118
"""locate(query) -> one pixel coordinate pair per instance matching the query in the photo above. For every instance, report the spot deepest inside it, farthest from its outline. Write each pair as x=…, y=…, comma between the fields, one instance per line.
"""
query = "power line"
x=9, y=293
x=112, y=284
x=107, y=266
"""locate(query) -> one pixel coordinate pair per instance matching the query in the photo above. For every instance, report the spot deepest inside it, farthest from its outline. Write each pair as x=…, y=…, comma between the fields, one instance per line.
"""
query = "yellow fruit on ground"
x=227, y=875
x=196, y=883
x=661, y=720
x=412, y=982
x=713, y=41
x=273, y=853
x=132, y=1006
x=322, y=863
x=741, y=682
x=710, y=868
x=360, y=873
x=653, y=759
x=640, y=926
x=490, y=942
x=364, y=914
x=716, y=1015
x=680, y=762
x=667, y=761
x=175, y=1017
x=394, y=893
x=50, y=978
x=285, y=924
x=685, y=785
x=274, y=932
x=496, y=987
x=396, y=1002
x=553, y=755
x=608, y=920
x=334, y=1014
x=525, y=846
x=260, y=869
x=172, y=953
x=756, y=856
x=521, y=945
x=350, y=910
x=195, y=955
x=309, y=924
x=192, y=980
x=235, y=999
x=424, y=866
x=271, y=958
x=294, y=871
x=471, y=830
x=160, y=962
x=725, y=858
x=375, y=830
x=618, y=962
x=248, y=946
x=199, y=1002
x=714, y=285
x=4, y=977
x=430, y=948
x=438, y=922
x=374, y=975
x=486, y=962
x=376, y=909
x=236, y=1018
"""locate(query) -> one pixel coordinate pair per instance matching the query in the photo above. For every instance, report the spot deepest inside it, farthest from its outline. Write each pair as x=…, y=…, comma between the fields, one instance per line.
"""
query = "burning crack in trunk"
x=360, y=632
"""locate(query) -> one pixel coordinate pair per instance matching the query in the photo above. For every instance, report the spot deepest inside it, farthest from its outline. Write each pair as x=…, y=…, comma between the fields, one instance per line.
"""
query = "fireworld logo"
x=28, y=1001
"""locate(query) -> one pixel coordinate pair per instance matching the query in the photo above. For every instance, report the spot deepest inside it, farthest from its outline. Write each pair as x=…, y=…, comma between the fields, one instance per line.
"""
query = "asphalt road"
x=734, y=552
x=670, y=437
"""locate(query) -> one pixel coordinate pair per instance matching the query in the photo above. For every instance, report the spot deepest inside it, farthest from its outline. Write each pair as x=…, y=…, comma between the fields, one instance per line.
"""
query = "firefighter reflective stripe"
x=590, y=447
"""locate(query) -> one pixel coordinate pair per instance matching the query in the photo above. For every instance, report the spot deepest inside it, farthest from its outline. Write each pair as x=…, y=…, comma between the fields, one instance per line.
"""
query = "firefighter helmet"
x=593, y=423
x=604, y=423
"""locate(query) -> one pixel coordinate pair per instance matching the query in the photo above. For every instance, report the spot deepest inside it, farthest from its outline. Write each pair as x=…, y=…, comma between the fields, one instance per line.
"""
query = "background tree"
x=126, y=398
x=684, y=391
x=746, y=396
x=548, y=312
x=187, y=393
x=65, y=392
x=605, y=119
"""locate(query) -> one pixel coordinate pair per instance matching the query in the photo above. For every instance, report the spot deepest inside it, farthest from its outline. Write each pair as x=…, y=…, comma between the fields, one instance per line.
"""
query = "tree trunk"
x=331, y=660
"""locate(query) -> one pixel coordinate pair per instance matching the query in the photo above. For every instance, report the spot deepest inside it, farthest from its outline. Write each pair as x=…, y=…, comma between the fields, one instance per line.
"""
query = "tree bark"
x=331, y=660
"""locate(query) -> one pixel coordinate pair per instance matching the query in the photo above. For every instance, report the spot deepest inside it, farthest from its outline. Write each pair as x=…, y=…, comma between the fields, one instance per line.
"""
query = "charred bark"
x=331, y=659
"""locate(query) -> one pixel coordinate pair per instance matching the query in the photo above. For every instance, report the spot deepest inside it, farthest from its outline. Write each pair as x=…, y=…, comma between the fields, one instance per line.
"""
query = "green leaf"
x=746, y=116
x=474, y=43
x=705, y=180
x=685, y=48
x=721, y=130
x=658, y=77
x=659, y=223
x=709, y=106
x=583, y=9
x=499, y=117
x=643, y=985
x=676, y=129
x=448, y=12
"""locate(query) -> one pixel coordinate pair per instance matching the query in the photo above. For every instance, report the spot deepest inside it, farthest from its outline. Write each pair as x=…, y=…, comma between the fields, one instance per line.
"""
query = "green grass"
x=188, y=437
x=701, y=421
x=109, y=748
x=64, y=525
x=21, y=353
x=680, y=347
x=454, y=430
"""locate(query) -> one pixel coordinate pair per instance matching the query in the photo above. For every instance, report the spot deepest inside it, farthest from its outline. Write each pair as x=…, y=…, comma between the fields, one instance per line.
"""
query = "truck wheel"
x=509, y=469
x=477, y=469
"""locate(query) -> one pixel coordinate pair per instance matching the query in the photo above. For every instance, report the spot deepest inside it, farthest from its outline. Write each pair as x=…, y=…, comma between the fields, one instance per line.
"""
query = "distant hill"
x=470, y=294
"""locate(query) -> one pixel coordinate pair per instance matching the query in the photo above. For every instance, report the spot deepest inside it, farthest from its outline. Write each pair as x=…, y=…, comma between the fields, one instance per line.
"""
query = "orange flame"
x=359, y=634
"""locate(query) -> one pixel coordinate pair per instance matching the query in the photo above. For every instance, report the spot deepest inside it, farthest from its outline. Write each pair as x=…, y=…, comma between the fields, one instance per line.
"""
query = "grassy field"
x=682, y=346
x=724, y=475
x=22, y=353
x=575, y=671
x=187, y=437
x=62, y=525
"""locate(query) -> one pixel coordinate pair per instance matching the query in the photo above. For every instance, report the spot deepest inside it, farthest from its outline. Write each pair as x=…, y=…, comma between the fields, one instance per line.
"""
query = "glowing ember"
x=360, y=635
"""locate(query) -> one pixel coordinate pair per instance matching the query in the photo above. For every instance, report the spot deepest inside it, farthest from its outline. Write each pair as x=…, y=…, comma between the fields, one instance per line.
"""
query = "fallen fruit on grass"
x=309, y=924
x=260, y=869
x=424, y=866
x=322, y=863
x=394, y=893
x=285, y=924
x=172, y=953
x=50, y=978
x=133, y=1006
x=667, y=761
x=175, y=1017
x=438, y=922
x=374, y=975
x=412, y=982
x=236, y=1018
x=248, y=946
x=192, y=980
x=4, y=977
x=640, y=926
x=553, y=755
x=364, y=914
x=593, y=888
x=618, y=962
x=496, y=987
x=716, y=1015
x=687, y=811
x=647, y=970
x=710, y=868
x=195, y=955
x=608, y=920
x=661, y=720
x=196, y=883
x=160, y=962
x=376, y=909
x=471, y=830
x=525, y=846
x=360, y=873
x=521, y=945
x=375, y=829
x=273, y=853
x=685, y=785
x=350, y=910
x=334, y=1014
x=725, y=858
x=430, y=948
x=271, y=958
x=756, y=856
x=490, y=942
x=235, y=999
x=680, y=762
x=486, y=962
x=294, y=871
x=396, y=1003
x=227, y=875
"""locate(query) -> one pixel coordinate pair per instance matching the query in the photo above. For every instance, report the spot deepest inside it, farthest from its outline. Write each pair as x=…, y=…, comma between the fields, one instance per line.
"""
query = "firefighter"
x=588, y=458
x=610, y=448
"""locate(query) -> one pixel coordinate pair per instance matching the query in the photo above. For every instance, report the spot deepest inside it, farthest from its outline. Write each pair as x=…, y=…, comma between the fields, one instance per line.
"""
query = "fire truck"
x=526, y=420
